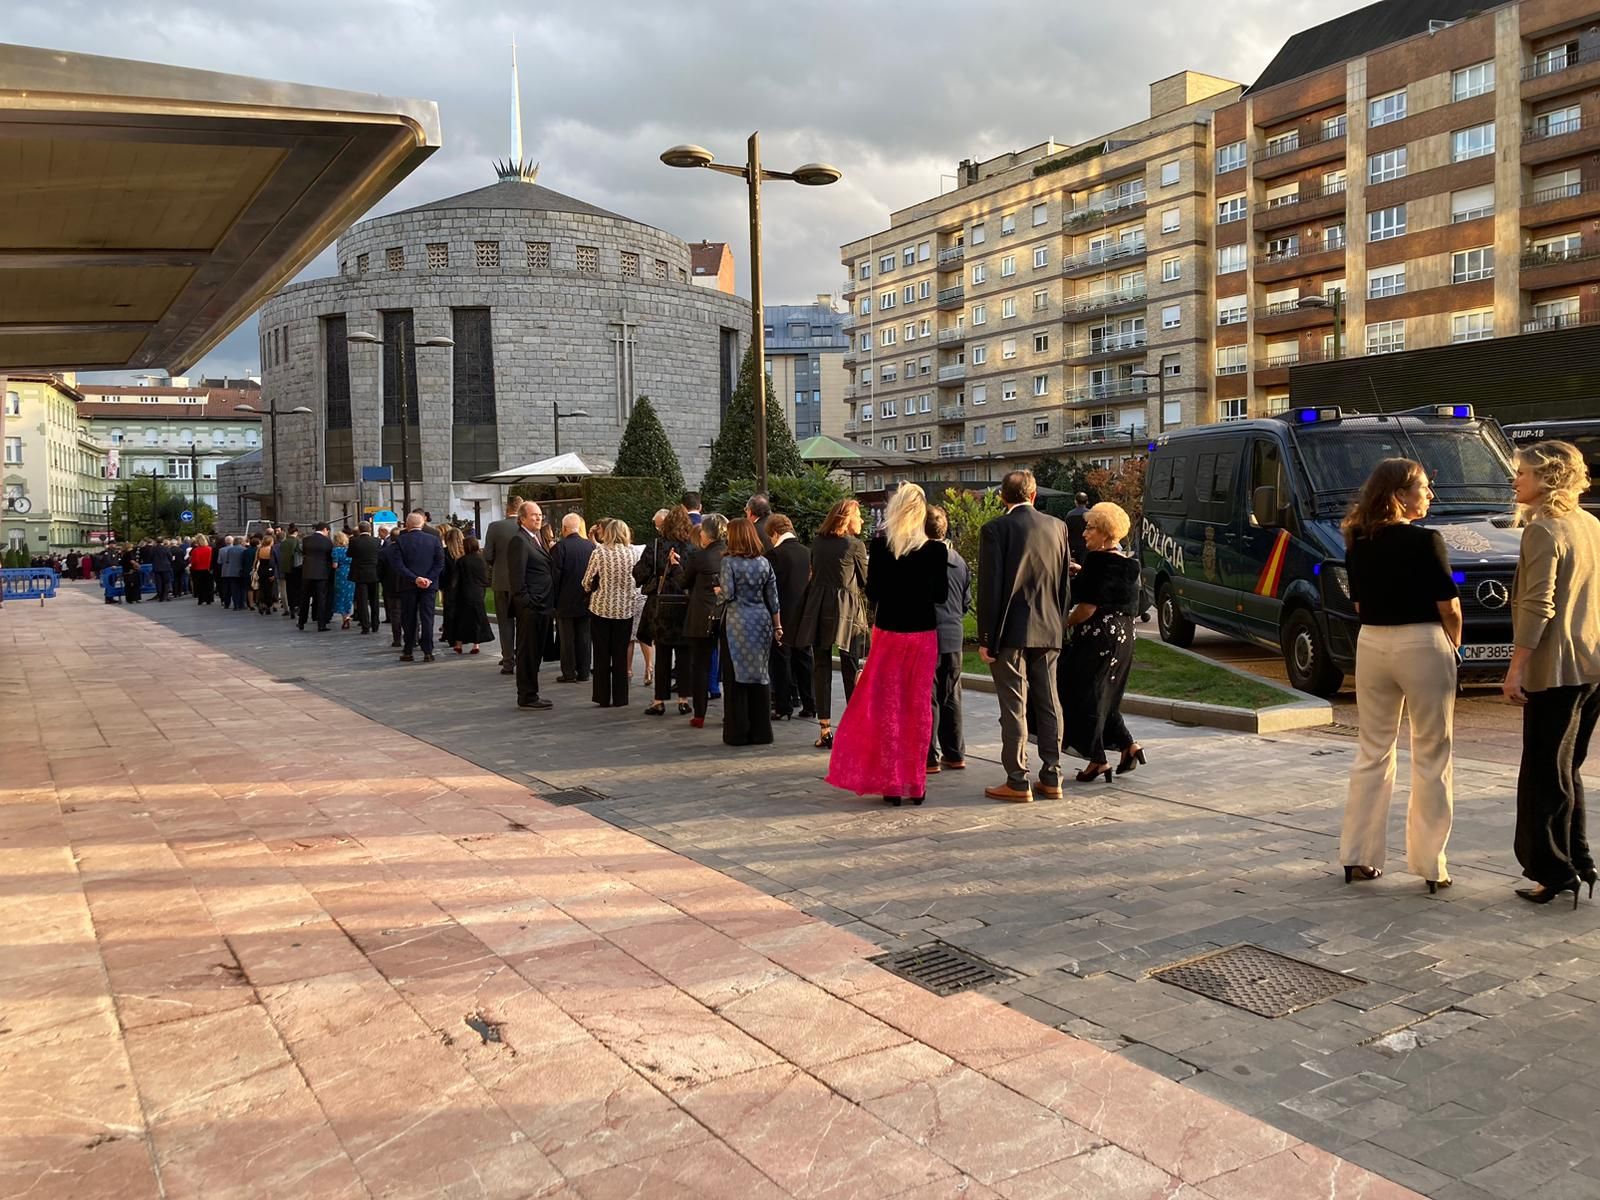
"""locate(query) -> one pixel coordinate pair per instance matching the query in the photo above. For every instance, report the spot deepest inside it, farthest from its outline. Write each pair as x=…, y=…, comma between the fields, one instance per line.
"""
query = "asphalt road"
x=1483, y=718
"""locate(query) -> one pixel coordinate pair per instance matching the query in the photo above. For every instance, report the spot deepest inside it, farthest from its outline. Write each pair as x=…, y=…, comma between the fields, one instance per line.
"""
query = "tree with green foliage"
x=733, y=454
x=645, y=451
x=147, y=506
x=968, y=513
x=804, y=498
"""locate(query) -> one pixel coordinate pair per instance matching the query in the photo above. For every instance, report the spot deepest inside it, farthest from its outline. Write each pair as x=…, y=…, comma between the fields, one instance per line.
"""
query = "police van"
x=1240, y=531
x=1582, y=433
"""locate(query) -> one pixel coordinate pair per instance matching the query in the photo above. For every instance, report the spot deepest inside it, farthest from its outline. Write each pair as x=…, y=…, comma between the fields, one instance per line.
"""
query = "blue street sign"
x=377, y=474
x=385, y=517
x=186, y=515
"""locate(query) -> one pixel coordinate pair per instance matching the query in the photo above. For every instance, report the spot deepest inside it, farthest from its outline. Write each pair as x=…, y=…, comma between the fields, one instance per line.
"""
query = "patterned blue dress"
x=344, y=592
x=750, y=593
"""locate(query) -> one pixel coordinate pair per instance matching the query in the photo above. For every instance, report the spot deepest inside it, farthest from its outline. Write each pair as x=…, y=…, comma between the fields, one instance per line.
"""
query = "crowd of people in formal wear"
x=739, y=609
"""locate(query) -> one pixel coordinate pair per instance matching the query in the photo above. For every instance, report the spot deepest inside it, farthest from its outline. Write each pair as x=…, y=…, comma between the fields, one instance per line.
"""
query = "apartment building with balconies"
x=1056, y=301
x=1415, y=174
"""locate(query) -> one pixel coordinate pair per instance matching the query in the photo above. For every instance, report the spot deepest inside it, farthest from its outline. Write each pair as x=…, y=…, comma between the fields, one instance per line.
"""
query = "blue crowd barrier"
x=29, y=583
x=111, y=581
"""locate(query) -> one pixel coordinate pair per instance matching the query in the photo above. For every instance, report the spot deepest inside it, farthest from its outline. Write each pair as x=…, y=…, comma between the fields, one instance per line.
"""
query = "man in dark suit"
x=316, y=576
x=364, y=574
x=496, y=552
x=418, y=564
x=759, y=511
x=1077, y=521
x=947, y=747
x=790, y=661
x=160, y=561
x=289, y=562
x=389, y=580
x=569, y=560
x=1024, y=592
x=533, y=598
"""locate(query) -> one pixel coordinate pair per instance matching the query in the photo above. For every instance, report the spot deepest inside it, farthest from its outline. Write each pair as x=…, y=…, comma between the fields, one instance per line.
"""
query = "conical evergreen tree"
x=733, y=454
x=645, y=452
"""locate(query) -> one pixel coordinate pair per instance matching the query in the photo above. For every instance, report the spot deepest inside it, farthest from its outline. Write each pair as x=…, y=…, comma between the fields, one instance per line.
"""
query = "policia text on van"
x=1241, y=529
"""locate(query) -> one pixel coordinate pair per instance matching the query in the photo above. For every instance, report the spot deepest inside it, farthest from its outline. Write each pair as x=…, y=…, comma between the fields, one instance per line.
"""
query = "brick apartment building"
x=1414, y=174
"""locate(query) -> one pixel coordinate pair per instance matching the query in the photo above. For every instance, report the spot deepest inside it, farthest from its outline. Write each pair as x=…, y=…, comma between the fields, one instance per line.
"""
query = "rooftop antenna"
x=516, y=169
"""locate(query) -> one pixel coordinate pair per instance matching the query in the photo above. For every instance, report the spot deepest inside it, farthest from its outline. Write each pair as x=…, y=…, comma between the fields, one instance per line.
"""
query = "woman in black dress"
x=659, y=572
x=1093, y=671
x=833, y=612
x=467, y=617
x=702, y=575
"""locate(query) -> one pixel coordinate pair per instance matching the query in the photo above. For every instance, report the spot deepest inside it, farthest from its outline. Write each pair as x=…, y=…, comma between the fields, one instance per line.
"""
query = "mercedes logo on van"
x=1492, y=593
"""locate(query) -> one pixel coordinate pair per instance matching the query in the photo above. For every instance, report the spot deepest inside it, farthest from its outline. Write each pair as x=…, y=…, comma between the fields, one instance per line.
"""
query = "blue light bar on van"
x=1311, y=416
x=1151, y=447
x=1461, y=411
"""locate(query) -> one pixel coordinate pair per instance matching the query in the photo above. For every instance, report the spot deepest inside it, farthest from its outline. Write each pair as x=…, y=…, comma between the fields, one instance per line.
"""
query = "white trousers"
x=1399, y=666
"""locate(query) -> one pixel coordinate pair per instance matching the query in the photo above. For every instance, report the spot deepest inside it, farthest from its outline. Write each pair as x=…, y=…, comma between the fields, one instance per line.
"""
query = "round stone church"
x=550, y=302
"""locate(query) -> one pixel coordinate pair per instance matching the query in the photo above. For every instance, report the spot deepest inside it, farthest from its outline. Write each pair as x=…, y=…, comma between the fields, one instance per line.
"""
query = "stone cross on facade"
x=624, y=339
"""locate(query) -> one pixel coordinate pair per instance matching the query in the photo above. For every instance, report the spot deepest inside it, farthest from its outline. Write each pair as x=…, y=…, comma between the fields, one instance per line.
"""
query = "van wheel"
x=1176, y=629
x=1305, y=654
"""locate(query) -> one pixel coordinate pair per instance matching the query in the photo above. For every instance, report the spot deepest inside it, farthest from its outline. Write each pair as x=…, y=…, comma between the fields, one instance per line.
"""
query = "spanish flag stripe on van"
x=1267, y=584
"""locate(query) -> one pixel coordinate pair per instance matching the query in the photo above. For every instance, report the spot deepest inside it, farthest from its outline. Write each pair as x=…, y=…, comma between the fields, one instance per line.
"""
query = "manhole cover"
x=577, y=795
x=1257, y=980
x=940, y=968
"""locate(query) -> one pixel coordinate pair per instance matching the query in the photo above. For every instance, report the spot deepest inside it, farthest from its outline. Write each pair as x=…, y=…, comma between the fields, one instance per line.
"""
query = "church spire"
x=516, y=169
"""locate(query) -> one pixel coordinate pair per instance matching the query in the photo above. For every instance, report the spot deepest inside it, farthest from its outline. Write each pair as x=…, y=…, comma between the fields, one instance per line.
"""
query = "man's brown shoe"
x=1005, y=791
x=1050, y=791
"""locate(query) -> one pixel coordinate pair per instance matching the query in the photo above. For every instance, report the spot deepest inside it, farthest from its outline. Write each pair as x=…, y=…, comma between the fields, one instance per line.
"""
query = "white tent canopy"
x=562, y=466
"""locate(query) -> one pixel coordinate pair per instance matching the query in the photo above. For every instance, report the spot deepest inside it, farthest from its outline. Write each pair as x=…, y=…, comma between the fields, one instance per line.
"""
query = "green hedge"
x=634, y=500
x=1083, y=154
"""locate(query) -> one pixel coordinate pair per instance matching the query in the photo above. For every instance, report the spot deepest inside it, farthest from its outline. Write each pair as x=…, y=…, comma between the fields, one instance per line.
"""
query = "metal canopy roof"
x=147, y=210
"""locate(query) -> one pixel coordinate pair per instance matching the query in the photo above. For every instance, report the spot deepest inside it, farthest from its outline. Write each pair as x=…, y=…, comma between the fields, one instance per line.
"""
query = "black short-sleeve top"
x=1399, y=575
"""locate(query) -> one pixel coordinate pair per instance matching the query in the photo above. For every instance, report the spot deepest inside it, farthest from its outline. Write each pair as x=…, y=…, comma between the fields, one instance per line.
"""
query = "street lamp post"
x=271, y=413
x=1335, y=302
x=372, y=339
x=1160, y=377
x=555, y=410
x=809, y=174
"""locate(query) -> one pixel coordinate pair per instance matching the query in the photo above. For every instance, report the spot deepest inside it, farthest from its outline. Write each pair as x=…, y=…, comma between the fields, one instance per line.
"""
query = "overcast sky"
x=608, y=84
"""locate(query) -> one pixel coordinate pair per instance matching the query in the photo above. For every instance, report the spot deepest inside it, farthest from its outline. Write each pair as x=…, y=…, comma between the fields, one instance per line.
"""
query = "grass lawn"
x=1161, y=671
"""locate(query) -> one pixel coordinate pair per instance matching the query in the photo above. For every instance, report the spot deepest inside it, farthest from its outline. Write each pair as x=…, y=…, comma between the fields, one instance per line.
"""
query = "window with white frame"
x=1557, y=185
x=1230, y=259
x=1231, y=209
x=1386, y=281
x=864, y=269
x=1008, y=389
x=1008, y=307
x=885, y=264
x=924, y=251
x=866, y=413
x=1041, y=385
x=1472, y=81
x=910, y=331
x=1334, y=127
x=979, y=393
x=1171, y=316
x=1232, y=310
x=1169, y=173
x=980, y=355
x=1041, y=214
x=1170, y=221
x=1171, y=269
x=1386, y=165
x=1386, y=337
x=889, y=408
x=1236, y=409
x=891, y=443
x=924, y=289
x=886, y=301
x=1282, y=143
x=866, y=342
x=1230, y=157
x=1008, y=431
x=1008, y=347
x=1472, y=143
x=14, y=406
x=908, y=294
x=888, y=336
x=866, y=306
x=908, y=256
x=925, y=440
x=14, y=451
x=1382, y=110
x=924, y=402
x=925, y=328
x=1231, y=360
x=1471, y=203
x=1558, y=313
x=1469, y=265
x=1556, y=121
x=1474, y=326
x=1008, y=266
x=1041, y=343
x=980, y=314
x=1008, y=223
x=980, y=272
x=1386, y=223
x=1558, y=248
x=978, y=234
x=1041, y=257
x=1041, y=300
x=925, y=365
x=889, y=374
x=1172, y=414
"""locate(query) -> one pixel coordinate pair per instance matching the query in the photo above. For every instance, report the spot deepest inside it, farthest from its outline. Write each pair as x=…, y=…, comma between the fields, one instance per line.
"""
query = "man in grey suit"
x=496, y=552
x=1024, y=592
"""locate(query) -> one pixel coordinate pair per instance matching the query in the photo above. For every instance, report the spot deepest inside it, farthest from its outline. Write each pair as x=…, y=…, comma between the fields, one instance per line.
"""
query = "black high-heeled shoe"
x=1589, y=877
x=1130, y=758
x=1093, y=771
x=1353, y=874
x=684, y=707
x=1543, y=895
x=1435, y=884
x=657, y=709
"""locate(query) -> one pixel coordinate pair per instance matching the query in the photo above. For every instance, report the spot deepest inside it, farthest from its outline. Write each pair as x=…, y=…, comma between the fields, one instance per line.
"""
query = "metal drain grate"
x=1257, y=980
x=578, y=795
x=940, y=968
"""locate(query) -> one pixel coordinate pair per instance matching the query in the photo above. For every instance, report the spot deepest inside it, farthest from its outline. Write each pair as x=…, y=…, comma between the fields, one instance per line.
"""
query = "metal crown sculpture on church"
x=516, y=169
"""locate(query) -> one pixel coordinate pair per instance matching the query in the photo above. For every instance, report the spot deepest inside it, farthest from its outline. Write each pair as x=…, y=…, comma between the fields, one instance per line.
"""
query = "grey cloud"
x=892, y=94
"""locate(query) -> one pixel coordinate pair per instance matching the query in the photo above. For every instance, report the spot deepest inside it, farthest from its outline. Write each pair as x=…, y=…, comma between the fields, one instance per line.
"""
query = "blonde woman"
x=1410, y=613
x=608, y=580
x=1555, y=667
x=881, y=744
x=344, y=591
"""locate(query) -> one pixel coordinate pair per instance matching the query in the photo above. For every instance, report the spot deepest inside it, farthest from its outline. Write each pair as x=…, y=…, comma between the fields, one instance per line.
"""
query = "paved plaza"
x=279, y=878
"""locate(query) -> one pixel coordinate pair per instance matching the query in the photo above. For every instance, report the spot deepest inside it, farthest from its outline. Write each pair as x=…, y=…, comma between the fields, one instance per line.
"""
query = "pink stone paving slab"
x=233, y=970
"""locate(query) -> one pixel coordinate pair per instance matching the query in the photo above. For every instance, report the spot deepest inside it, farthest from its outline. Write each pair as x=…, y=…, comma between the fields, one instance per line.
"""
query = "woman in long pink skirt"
x=881, y=744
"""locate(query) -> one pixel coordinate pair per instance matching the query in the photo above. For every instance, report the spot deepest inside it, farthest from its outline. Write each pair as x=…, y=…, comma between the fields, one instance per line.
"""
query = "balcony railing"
x=1552, y=256
x=1110, y=298
x=1115, y=343
x=954, y=372
x=849, y=321
x=1097, y=209
x=852, y=426
x=850, y=286
x=1540, y=130
x=952, y=449
x=953, y=412
x=1565, y=192
x=1108, y=391
x=1309, y=137
x=1237, y=368
x=1289, y=359
x=1299, y=249
x=1105, y=254
x=952, y=295
x=1280, y=308
x=1562, y=321
x=1560, y=62
x=1337, y=187
x=1089, y=434
x=956, y=334
x=952, y=256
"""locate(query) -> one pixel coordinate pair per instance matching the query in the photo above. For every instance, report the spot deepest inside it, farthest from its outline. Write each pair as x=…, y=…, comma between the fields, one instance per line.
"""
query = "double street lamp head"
x=809, y=174
x=279, y=412
x=372, y=339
